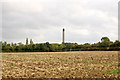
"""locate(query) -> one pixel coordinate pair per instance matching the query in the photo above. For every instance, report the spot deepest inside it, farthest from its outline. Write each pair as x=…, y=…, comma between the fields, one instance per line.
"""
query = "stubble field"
x=81, y=64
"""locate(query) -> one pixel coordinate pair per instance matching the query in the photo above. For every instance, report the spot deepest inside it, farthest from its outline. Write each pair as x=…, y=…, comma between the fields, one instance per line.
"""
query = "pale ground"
x=79, y=64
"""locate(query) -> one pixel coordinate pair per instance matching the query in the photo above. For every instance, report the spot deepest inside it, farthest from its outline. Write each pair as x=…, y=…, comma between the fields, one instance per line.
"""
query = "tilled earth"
x=82, y=64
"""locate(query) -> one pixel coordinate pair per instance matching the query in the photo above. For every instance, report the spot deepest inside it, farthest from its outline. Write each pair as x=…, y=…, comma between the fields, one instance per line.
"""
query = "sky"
x=85, y=21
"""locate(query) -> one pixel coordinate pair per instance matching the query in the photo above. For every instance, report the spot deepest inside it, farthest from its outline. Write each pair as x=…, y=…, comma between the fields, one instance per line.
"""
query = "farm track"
x=79, y=64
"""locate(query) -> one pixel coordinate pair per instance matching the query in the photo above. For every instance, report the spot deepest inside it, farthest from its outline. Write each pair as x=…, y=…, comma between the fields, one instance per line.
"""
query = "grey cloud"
x=43, y=21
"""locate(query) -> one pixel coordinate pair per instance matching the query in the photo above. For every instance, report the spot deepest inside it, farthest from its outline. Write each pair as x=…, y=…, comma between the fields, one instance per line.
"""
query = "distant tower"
x=63, y=35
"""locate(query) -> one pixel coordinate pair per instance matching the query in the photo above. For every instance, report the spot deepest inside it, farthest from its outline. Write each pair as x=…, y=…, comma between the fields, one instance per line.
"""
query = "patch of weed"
x=116, y=72
x=87, y=66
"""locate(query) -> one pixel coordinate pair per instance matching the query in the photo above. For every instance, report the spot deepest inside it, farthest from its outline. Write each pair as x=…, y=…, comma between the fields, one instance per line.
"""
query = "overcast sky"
x=43, y=20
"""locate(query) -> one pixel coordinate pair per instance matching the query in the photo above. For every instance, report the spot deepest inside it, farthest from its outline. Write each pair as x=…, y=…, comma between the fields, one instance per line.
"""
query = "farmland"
x=79, y=64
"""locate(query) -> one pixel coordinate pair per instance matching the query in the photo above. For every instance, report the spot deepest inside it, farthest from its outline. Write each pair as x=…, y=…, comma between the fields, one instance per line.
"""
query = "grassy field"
x=83, y=64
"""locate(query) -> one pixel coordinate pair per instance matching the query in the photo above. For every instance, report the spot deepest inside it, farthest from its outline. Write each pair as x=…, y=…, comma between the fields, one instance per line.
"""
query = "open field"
x=82, y=64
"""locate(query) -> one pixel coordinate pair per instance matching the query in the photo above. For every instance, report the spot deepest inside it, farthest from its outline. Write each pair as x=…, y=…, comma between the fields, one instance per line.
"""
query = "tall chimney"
x=63, y=35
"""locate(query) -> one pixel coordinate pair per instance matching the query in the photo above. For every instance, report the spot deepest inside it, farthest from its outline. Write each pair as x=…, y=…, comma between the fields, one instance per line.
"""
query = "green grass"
x=87, y=66
x=116, y=72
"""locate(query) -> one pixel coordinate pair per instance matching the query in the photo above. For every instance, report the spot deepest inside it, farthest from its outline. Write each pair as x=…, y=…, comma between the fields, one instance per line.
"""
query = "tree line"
x=104, y=45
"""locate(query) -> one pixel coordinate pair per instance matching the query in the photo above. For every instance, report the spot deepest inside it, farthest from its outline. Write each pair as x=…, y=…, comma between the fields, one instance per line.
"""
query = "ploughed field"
x=81, y=64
